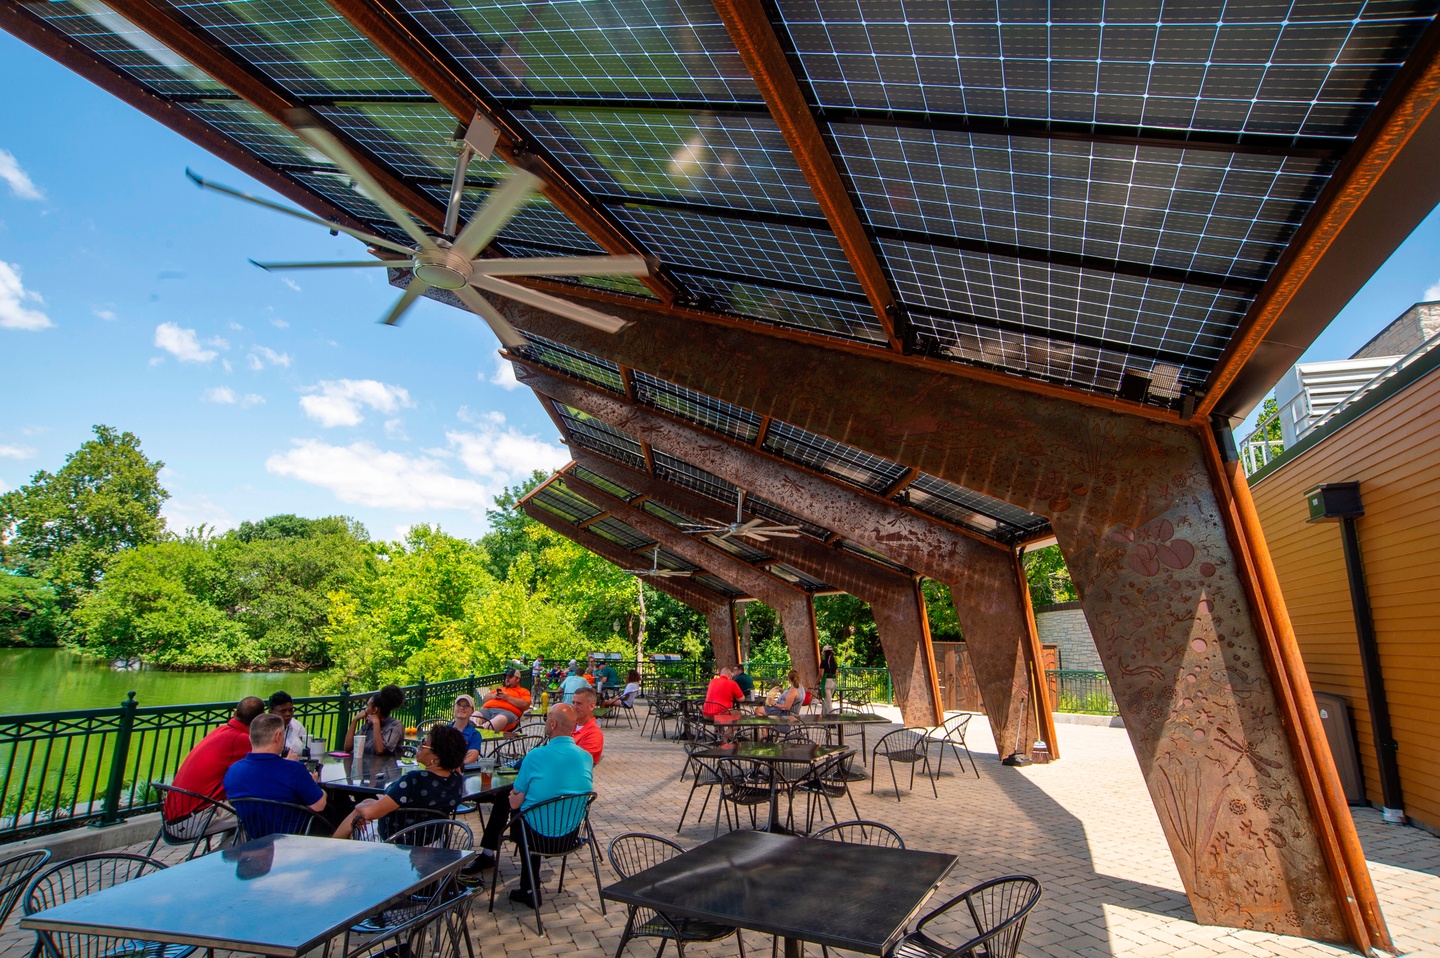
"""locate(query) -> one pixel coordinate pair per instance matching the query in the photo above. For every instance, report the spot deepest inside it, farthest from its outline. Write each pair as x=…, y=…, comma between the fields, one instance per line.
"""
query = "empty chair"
x=511, y=750
x=705, y=776
x=433, y=933
x=15, y=873
x=952, y=733
x=631, y=854
x=260, y=817
x=997, y=907
x=739, y=790
x=860, y=832
x=83, y=876
x=831, y=780
x=210, y=819
x=907, y=746
x=556, y=828
x=437, y=833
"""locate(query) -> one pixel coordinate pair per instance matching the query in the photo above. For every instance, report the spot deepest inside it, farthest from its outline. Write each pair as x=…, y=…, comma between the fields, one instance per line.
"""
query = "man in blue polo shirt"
x=264, y=774
x=559, y=767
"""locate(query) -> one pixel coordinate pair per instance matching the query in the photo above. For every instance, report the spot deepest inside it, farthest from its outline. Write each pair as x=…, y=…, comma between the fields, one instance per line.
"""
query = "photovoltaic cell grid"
x=598, y=437
x=766, y=509
x=672, y=560
x=1227, y=214
x=414, y=139
x=259, y=134
x=725, y=161
x=303, y=45
x=666, y=514
x=847, y=546
x=832, y=458
x=967, y=507
x=795, y=577
x=850, y=319
x=738, y=548
x=621, y=534
x=625, y=285
x=681, y=473
x=565, y=504
x=696, y=407
x=582, y=365
x=1237, y=66
x=338, y=190
x=657, y=50
x=717, y=585
x=802, y=257
x=601, y=482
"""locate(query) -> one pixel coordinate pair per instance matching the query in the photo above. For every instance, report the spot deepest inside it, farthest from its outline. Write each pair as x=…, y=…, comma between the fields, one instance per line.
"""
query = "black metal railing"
x=1072, y=690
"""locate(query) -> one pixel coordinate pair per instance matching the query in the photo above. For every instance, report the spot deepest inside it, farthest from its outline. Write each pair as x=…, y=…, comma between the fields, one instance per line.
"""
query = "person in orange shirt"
x=587, y=731
x=505, y=705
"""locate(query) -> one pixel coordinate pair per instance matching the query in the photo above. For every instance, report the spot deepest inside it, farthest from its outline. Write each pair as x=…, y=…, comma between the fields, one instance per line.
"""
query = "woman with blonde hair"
x=784, y=703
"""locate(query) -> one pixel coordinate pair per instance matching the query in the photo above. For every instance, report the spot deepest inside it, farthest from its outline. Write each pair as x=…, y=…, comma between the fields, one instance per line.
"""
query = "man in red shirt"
x=204, y=769
x=722, y=694
x=587, y=731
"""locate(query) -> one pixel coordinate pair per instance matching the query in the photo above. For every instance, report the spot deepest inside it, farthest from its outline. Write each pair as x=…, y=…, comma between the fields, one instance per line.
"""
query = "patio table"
x=836, y=894
x=773, y=755
x=282, y=895
x=366, y=780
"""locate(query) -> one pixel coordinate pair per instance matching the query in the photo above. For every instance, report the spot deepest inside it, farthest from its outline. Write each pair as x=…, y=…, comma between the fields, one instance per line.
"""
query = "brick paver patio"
x=1084, y=826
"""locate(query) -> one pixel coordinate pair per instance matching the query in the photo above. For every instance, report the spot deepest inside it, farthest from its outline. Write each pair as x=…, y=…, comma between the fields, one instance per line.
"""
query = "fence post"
x=110, y=814
x=420, y=701
x=344, y=718
x=472, y=686
x=889, y=687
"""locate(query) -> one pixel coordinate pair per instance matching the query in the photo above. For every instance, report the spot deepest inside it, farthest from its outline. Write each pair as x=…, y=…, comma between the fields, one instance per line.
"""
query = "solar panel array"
x=1068, y=192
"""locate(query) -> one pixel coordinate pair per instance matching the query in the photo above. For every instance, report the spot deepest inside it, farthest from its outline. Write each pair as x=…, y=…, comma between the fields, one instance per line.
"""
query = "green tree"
x=64, y=527
x=1048, y=577
x=944, y=626
x=29, y=612
x=511, y=531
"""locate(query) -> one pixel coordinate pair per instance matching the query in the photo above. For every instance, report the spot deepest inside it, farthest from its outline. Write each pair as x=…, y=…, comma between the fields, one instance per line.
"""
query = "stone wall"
x=1064, y=625
x=1409, y=330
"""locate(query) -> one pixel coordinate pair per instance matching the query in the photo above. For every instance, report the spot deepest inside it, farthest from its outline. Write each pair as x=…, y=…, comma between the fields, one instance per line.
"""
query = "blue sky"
x=126, y=299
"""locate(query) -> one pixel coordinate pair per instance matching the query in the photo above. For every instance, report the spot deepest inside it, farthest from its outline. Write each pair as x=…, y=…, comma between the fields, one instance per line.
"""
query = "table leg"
x=774, y=804
x=794, y=948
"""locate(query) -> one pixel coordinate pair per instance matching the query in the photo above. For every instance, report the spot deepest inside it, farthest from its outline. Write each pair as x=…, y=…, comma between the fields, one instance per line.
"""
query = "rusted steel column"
x=894, y=598
x=1035, y=658
x=719, y=610
x=796, y=610
x=1150, y=550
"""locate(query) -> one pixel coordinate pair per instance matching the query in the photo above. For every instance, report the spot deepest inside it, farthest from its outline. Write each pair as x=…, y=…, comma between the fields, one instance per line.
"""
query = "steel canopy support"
x=894, y=597
x=794, y=606
x=719, y=610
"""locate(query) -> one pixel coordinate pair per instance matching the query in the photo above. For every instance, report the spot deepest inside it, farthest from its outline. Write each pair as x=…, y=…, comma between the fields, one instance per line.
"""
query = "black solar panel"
x=561, y=502
x=259, y=134
x=717, y=585
x=621, y=534
x=414, y=139
x=832, y=458
x=769, y=510
x=581, y=365
x=626, y=285
x=847, y=318
x=601, y=482
x=598, y=437
x=847, y=546
x=670, y=560
x=739, y=548
x=795, y=577
x=667, y=514
x=696, y=407
x=970, y=509
x=680, y=473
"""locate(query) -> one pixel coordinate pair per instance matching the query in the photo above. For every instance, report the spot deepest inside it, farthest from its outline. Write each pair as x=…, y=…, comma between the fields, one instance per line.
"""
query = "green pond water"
x=49, y=680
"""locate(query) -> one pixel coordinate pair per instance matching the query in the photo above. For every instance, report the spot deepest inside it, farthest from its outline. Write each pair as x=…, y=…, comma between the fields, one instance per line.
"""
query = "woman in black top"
x=437, y=784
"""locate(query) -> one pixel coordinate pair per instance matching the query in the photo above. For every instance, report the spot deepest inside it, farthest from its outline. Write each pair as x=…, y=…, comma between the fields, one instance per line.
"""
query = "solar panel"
x=853, y=547
x=671, y=560
x=414, y=139
x=832, y=458
x=795, y=577
x=598, y=437
x=849, y=319
x=717, y=585
x=969, y=508
x=341, y=192
x=738, y=548
x=581, y=365
x=696, y=407
x=625, y=285
x=721, y=160
x=563, y=503
x=766, y=509
x=601, y=482
x=680, y=473
x=666, y=514
x=659, y=50
x=256, y=132
x=621, y=534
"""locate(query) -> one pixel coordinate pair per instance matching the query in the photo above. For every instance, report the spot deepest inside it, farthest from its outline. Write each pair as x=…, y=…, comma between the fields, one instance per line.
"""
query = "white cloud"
x=183, y=512
x=218, y=342
x=225, y=364
x=14, y=314
x=263, y=355
x=504, y=375
x=502, y=454
x=279, y=324
x=105, y=313
x=338, y=402
x=236, y=326
x=19, y=180
x=182, y=344
x=291, y=283
x=226, y=396
x=1431, y=294
x=16, y=452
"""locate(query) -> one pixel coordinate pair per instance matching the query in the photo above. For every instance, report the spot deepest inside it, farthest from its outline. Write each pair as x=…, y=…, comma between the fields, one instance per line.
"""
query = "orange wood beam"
x=1035, y=659
x=754, y=37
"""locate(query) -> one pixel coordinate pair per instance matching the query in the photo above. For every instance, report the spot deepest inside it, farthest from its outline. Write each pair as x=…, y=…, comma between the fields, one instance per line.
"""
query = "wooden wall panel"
x=1394, y=452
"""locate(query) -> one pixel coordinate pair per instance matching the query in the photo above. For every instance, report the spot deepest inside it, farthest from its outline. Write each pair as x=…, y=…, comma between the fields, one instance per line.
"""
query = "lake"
x=50, y=680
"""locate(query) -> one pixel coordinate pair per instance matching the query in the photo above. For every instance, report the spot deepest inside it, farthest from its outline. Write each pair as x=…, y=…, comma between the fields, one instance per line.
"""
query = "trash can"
x=1340, y=733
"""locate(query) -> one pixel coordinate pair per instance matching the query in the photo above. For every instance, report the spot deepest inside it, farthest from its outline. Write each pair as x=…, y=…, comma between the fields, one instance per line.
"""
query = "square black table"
x=773, y=754
x=282, y=895
x=831, y=893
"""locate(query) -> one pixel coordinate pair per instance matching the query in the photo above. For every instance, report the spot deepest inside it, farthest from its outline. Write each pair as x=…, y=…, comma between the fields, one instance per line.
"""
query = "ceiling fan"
x=449, y=261
x=756, y=529
x=658, y=572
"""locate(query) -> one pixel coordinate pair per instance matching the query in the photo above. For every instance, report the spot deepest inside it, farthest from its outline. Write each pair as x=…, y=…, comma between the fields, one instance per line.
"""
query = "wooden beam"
x=754, y=37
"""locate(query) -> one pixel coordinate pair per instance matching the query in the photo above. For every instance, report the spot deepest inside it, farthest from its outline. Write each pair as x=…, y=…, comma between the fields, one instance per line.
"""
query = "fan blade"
x=370, y=238
x=571, y=311
x=752, y=524
x=500, y=207
x=325, y=141
x=777, y=532
x=507, y=334
x=414, y=291
x=353, y=264
x=562, y=266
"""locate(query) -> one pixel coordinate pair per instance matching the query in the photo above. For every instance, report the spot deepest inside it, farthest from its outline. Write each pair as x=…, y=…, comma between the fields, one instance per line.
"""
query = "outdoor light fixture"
x=1341, y=500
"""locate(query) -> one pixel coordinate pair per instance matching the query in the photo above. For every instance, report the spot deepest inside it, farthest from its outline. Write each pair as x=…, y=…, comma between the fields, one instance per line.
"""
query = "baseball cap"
x=572, y=661
x=463, y=697
x=511, y=673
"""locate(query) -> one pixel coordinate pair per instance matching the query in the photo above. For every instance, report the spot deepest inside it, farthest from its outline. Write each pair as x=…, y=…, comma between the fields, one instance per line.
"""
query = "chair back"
x=954, y=727
x=999, y=908
x=77, y=878
x=634, y=852
x=861, y=832
x=260, y=817
x=902, y=745
x=437, y=931
x=552, y=823
x=510, y=750
x=15, y=873
x=438, y=833
x=183, y=829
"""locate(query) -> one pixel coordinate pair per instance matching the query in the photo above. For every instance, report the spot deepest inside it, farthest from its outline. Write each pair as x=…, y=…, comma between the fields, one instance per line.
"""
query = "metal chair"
x=510, y=750
x=998, y=908
x=739, y=790
x=556, y=828
x=403, y=818
x=437, y=833
x=193, y=827
x=260, y=817
x=631, y=854
x=907, y=746
x=83, y=876
x=848, y=709
x=831, y=780
x=435, y=932
x=952, y=733
x=15, y=873
x=705, y=777
x=861, y=832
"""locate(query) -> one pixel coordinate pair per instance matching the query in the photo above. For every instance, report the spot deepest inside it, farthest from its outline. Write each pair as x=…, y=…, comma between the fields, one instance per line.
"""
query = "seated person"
x=746, y=683
x=437, y=784
x=784, y=703
x=607, y=680
x=204, y=769
x=474, y=743
x=382, y=734
x=627, y=695
x=296, y=738
x=722, y=694
x=573, y=683
x=587, y=731
x=264, y=774
x=505, y=705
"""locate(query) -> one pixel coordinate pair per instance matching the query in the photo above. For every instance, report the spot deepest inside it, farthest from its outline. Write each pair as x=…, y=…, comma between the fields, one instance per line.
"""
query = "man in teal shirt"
x=559, y=767
x=573, y=683
x=607, y=678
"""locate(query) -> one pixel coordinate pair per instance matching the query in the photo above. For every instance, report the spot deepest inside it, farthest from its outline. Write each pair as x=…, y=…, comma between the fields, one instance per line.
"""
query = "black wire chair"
x=907, y=746
x=739, y=790
x=631, y=854
x=15, y=873
x=437, y=833
x=382, y=829
x=705, y=776
x=998, y=909
x=260, y=817
x=861, y=832
x=509, y=751
x=952, y=733
x=193, y=827
x=848, y=709
x=829, y=781
x=434, y=933
x=83, y=876
x=556, y=828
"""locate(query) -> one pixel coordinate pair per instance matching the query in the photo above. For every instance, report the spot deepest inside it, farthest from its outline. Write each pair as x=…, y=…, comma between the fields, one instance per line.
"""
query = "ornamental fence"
x=93, y=766
x=1072, y=690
